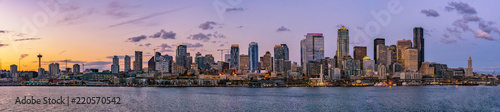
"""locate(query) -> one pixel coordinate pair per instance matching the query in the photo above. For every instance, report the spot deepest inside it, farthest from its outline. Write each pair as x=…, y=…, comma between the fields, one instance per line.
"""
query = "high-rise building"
x=368, y=67
x=411, y=60
x=244, y=62
x=286, y=53
x=312, y=48
x=13, y=68
x=200, y=61
x=342, y=43
x=393, y=54
x=227, y=58
x=180, y=55
x=54, y=69
x=278, y=59
x=188, y=61
x=115, y=67
x=377, y=41
x=76, y=69
x=468, y=70
x=418, y=40
x=127, y=63
x=138, y=61
x=152, y=64
x=253, y=55
x=402, y=46
x=164, y=63
x=267, y=61
x=209, y=61
x=235, y=57
x=381, y=54
x=359, y=52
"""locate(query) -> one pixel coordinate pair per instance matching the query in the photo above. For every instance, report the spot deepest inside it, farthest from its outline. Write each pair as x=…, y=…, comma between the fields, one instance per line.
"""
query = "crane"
x=221, y=52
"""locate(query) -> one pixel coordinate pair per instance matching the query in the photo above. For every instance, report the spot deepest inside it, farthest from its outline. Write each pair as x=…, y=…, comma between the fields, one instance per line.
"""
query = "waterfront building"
x=244, y=63
x=286, y=53
x=402, y=46
x=312, y=48
x=427, y=69
x=342, y=43
x=376, y=42
x=418, y=40
x=138, y=61
x=151, y=64
x=235, y=57
x=13, y=68
x=381, y=71
x=164, y=63
x=200, y=61
x=188, y=61
x=279, y=58
x=127, y=63
x=410, y=60
x=351, y=68
x=115, y=66
x=468, y=70
x=253, y=56
x=76, y=68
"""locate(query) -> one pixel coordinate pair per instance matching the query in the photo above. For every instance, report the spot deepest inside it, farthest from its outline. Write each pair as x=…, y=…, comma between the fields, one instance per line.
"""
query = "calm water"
x=426, y=98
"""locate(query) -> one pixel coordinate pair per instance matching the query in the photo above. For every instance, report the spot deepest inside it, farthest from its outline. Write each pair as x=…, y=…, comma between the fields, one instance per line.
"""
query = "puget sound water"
x=318, y=99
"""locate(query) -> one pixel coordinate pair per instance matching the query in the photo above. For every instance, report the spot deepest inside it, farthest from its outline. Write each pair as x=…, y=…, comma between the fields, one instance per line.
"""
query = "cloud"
x=166, y=48
x=217, y=35
x=147, y=44
x=461, y=24
x=461, y=8
x=486, y=26
x=146, y=17
x=3, y=31
x=115, y=9
x=454, y=32
x=27, y=39
x=120, y=57
x=469, y=18
x=282, y=28
x=207, y=25
x=189, y=45
x=69, y=61
x=62, y=52
x=136, y=39
x=447, y=40
x=234, y=9
x=221, y=45
x=430, y=13
x=239, y=27
x=97, y=63
x=481, y=34
x=164, y=35
x=3, y=45
x=73, y=13
x=200, y=36
x=23, y=56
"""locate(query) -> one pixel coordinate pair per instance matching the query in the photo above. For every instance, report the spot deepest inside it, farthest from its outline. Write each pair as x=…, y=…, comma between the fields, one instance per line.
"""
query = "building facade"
x=253, y=55
x=418, y=40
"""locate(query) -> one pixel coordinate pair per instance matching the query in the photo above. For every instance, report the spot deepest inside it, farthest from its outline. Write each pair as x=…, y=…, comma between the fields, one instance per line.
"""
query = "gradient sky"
x=92, y=31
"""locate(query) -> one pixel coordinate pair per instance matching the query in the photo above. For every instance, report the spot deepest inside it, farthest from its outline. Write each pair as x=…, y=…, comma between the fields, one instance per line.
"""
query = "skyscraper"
x=266, y=61
x=54, y=69
x=235, y=57
x=138, y=61
x=418, y=40
x=278, y=59
x=188, y=61
x=468, y=70
x=76, y=68
x=393, y=54
x=359, y=52
x=342, y=43
x=377, y=41
x=200, y=61
x=227, y=58
x=115, y=67
x=411, y=60
x=13, y=68
x=127, y=63
x=286, y=54
x=402, y=46
x=381, y=54
x=180, y=56
x=244, y=62
x=312, y=48
x=253, y=55
x=152, y=64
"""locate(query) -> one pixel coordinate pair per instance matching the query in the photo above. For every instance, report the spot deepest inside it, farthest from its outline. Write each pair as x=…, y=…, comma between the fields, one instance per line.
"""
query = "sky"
x=93, y=31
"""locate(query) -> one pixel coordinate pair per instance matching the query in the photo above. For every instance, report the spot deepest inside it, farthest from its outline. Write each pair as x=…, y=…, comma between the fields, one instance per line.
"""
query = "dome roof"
x=366, y=58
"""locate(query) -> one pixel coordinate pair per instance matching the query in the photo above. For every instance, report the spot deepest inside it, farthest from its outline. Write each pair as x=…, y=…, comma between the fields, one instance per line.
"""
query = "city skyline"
x=102, y=41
